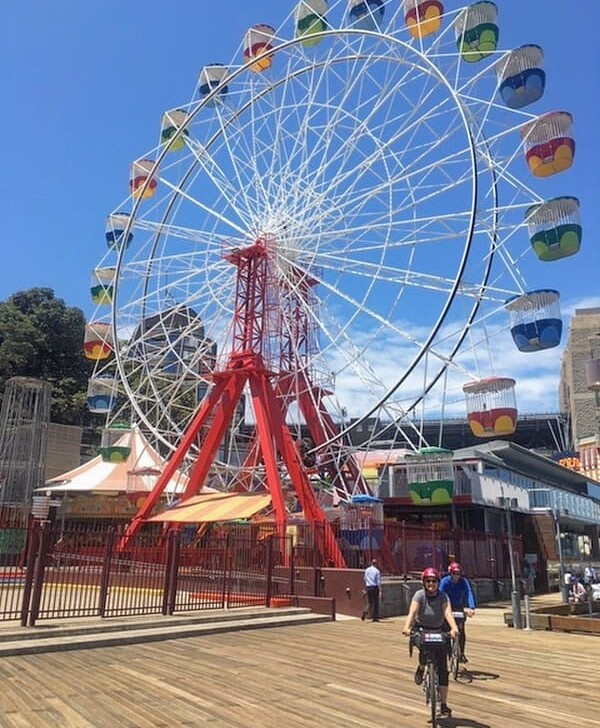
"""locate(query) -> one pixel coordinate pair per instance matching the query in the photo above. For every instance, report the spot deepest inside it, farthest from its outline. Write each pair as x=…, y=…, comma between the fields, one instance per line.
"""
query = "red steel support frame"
x=246, y=366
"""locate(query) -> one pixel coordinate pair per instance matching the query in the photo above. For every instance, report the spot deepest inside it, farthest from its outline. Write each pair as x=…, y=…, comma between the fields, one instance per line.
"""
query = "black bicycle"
x=429, y=643
x=455, y=651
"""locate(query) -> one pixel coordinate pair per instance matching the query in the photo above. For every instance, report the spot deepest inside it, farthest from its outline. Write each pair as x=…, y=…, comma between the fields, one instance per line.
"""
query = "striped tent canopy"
x=213, y=507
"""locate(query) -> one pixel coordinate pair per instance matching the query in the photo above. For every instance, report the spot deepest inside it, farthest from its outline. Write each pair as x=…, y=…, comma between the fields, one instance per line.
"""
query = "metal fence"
x=405, y=549
x=52, y=571
x=81, y=572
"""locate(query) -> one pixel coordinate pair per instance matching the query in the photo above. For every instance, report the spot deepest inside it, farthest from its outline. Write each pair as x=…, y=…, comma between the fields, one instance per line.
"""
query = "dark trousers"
x=373, y=602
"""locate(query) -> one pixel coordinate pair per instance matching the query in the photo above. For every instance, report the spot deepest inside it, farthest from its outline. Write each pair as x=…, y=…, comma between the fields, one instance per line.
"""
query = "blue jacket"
x=459, y=594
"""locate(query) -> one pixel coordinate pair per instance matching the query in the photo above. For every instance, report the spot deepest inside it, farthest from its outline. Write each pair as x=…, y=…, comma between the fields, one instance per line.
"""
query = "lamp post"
x=515, y=598
x=564, y=588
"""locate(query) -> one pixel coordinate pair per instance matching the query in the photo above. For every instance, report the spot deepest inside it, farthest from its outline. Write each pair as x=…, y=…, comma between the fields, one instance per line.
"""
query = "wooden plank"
x=346, y=673
x=575, y=624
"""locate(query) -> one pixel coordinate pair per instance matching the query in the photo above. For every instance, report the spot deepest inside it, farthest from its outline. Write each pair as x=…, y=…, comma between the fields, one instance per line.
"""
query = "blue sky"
x=85, y=83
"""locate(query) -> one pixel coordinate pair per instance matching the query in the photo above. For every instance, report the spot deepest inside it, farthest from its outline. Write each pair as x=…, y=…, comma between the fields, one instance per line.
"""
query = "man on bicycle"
x=430, y=610
x=460, y=594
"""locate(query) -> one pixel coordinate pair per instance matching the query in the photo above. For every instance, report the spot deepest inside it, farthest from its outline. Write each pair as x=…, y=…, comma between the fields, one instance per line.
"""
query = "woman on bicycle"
x=461, y=599
x=430, y=610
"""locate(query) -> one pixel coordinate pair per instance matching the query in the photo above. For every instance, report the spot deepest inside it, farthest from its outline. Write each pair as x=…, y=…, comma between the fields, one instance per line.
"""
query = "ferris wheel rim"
x=434, y=71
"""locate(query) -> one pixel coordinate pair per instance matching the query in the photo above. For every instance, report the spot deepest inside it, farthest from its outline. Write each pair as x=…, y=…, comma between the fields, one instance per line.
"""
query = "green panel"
x=478, y=42
x=115, y=454
x=309, y=26
x=12, y=540
x=434, y=492
x=557, y=242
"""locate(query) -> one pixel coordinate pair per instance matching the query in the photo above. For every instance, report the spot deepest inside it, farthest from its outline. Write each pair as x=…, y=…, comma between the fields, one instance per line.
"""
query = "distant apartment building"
x=579, y=388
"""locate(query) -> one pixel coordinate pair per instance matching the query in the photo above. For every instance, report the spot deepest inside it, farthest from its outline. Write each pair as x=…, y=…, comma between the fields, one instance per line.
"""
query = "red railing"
x=51, y=571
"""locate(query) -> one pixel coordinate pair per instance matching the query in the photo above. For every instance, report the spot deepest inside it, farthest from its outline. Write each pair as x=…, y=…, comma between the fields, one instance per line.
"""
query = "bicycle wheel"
x=426, y=681
x=455, y=658
x=432, y=696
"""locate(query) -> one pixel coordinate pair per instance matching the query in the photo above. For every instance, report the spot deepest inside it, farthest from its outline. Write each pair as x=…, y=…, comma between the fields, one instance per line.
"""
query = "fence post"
x=269, y=564
x=38, y=573
x=33, y=535
x=170, y=580
x=165, y=596
x=226, y=595
x=292, y=568
x=105, y=577
x=174, y=574
x=404, y=554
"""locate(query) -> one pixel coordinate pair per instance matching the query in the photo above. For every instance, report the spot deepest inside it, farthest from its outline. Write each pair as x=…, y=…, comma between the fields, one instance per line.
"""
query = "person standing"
x=529, y=576
x=372, y=580
x=589, y=575
x=460, y=594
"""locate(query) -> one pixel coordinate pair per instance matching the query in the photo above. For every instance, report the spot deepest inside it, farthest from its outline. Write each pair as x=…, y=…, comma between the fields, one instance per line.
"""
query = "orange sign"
x=570, y=463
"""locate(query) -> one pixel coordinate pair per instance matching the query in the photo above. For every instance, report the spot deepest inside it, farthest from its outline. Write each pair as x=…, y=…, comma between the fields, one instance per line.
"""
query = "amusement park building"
x=579, y=392
x=501, y=487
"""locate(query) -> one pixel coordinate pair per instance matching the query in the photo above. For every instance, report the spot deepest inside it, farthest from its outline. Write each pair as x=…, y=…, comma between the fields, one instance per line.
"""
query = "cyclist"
x=460, y=594
x=430, y=610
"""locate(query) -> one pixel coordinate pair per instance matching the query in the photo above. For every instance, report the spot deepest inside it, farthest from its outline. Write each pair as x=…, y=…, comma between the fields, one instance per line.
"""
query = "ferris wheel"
x=321, y=244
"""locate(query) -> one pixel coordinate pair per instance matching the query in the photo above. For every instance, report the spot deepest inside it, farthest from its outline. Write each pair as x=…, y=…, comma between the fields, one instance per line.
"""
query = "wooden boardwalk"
x=346, y=673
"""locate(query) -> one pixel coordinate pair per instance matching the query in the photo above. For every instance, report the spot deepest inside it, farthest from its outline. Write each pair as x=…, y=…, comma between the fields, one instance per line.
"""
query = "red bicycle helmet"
x=455, y=568
x=430, y=573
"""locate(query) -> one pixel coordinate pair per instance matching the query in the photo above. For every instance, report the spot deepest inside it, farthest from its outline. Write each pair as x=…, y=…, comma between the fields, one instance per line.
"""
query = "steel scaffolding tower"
x=24, y=419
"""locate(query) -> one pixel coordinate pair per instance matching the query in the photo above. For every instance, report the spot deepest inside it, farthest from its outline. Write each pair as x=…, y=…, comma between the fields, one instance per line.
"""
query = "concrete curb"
x=85, y=637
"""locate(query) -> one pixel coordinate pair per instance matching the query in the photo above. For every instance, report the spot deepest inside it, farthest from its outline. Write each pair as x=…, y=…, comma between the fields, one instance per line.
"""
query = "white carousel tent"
x=136, y=474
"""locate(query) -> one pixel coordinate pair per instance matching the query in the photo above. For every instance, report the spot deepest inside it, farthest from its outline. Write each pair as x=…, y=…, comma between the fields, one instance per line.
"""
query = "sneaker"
x=419, y=675
x=362, y=616
x=445, y=711
x=463, y=659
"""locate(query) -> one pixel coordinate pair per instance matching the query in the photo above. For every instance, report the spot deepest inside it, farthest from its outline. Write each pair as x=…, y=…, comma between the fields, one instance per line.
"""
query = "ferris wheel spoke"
x=396, y=276
x=200, y=205
x=242, y=188
x=403, y=178
x=333, y=118
x=373, y=104
x=413, y=224
x=194, y=236
x=299, y=112
x=216, y=175
x=355, y=364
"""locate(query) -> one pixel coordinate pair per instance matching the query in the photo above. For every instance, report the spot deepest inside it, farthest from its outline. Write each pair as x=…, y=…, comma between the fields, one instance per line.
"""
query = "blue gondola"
x=535, y=320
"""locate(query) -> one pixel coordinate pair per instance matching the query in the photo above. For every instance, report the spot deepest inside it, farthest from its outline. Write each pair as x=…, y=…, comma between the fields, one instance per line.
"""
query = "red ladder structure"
x=258, y=317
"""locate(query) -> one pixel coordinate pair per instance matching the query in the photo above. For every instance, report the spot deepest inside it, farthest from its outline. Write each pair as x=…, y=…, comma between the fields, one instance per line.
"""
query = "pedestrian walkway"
x=346, y=673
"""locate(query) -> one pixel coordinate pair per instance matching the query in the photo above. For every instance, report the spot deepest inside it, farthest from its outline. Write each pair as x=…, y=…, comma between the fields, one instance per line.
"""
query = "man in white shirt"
x=372, y=579
x=589, y=575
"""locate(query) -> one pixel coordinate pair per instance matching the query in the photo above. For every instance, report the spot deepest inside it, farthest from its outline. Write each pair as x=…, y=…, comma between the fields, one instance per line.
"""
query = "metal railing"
x=53, y=571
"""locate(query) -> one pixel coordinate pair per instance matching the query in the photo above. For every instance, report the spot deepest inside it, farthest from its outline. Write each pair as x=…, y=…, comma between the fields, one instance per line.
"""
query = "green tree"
x=42, y=337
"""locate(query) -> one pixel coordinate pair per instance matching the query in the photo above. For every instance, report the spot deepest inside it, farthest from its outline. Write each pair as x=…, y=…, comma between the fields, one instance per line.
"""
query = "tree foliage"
x=42, y=337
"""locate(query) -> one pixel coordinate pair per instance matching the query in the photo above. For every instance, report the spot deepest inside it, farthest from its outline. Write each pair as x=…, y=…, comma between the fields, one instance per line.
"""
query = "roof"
x=376, y=458
x=97, y=476
x=211, y=507
x=511, y=455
